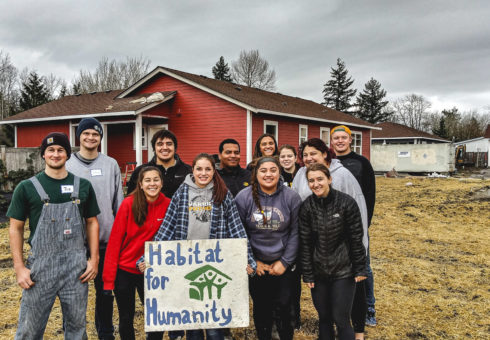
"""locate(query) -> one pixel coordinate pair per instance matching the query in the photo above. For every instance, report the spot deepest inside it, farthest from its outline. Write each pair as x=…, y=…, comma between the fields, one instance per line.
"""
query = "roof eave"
x=339, y=122
x=97, y=114
x=45, y=119
x=411, y=137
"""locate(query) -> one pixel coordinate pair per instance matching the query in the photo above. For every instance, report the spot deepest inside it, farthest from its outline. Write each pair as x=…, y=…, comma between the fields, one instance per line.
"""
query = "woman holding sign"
x=332, y=255
x=136, y=222
x=203, y=208
x=269, y=211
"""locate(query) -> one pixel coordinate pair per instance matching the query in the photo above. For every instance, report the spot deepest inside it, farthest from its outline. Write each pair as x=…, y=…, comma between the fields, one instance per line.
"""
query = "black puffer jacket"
x=331, y=238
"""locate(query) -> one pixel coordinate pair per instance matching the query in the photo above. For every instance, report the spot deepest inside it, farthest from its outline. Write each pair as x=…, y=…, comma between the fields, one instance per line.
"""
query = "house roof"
x=97, y=104
x=255, y=100
x=399, y=131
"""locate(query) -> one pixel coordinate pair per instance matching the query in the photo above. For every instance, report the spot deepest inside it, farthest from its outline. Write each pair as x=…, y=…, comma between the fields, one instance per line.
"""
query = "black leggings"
x=333, y=302
x=359, y=308
x=125, y=286
x=272, y=294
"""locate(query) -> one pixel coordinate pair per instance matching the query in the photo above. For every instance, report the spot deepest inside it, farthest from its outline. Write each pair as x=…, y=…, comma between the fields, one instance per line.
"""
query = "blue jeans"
x=211, y=334
x=369, y=282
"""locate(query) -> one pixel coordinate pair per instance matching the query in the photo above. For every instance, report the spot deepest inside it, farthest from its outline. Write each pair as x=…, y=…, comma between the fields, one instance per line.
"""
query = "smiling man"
x=164, y=144
x=360, y=167
x=103, y=173
x=236, y=178
x=62, y=211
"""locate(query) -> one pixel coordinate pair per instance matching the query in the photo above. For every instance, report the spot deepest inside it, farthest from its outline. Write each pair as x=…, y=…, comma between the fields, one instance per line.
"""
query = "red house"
x=201, y=111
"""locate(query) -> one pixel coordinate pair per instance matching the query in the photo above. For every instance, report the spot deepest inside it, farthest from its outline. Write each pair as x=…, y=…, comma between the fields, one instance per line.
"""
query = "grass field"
x=430, y=254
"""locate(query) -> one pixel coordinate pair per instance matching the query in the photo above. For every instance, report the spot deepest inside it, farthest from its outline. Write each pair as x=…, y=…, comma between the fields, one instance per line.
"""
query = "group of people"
x=307, y=222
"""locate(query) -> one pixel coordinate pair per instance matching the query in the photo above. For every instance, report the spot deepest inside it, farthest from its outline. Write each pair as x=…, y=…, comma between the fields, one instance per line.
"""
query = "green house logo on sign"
x=205, y=279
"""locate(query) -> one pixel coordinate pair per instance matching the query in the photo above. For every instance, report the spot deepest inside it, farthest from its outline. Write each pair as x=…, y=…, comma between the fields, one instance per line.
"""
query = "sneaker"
x=371, y=317
x=275, y=333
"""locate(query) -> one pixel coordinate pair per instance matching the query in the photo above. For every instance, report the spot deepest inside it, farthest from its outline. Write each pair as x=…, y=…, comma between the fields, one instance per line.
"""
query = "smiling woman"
x=269, y=211
x=136, y=222
x=203, y=208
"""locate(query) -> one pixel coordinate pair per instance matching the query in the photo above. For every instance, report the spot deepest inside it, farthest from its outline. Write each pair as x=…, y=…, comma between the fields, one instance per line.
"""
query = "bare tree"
x=53, y=85
x=252, y=70
x=8, y=82
x=112, y=75
x=412, y=110
x=472, y=125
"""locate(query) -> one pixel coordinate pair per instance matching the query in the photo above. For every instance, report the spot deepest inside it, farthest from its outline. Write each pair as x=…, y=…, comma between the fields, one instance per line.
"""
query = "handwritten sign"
x=196, y=284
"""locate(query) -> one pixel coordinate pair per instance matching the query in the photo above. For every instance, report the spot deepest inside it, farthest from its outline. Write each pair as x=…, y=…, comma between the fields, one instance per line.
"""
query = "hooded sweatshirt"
x=200, y=206
x=277, y=238
x=343, y=181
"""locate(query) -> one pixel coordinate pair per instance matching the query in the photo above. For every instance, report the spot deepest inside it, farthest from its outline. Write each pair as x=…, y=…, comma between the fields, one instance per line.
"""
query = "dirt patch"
x=430, y=258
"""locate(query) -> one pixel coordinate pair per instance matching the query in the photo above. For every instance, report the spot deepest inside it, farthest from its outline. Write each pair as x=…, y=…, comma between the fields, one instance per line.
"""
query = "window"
x=271, y=127
x=144, y=137
x=303, y=133
x=356, y=145
x=325, y=135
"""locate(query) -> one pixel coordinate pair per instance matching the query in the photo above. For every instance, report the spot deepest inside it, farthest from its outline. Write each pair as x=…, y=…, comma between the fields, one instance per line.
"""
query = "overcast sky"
x=440, y=49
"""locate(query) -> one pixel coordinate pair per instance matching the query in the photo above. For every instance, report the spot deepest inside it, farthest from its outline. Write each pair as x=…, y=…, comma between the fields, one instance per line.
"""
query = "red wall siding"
x=288, y=131
x=32, y=135
x=366, y=144
x=200, y=120
x=120, y=143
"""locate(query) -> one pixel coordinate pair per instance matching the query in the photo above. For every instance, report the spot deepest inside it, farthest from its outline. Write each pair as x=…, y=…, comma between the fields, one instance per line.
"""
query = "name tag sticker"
x=67, y=231
x=96, y=172
x=66, y=189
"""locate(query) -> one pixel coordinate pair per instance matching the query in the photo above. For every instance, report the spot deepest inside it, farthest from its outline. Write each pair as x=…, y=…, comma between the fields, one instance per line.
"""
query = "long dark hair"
x=219, y=187
x=257, y=152
x=255, y=182
x=140, y=205
x=320, y=145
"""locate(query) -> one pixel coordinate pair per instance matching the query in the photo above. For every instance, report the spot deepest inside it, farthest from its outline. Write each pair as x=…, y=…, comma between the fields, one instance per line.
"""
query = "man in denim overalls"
x=62, y=210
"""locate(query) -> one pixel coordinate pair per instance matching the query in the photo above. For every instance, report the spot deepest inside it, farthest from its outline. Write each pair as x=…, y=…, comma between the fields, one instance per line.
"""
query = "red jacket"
x=127, y=241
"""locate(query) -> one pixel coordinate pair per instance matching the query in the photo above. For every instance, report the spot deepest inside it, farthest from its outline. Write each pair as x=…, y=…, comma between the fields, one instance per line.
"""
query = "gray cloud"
x=436, y=48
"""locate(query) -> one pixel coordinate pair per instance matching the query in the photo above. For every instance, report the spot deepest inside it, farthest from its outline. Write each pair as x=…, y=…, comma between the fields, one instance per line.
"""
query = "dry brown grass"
x=430, y=256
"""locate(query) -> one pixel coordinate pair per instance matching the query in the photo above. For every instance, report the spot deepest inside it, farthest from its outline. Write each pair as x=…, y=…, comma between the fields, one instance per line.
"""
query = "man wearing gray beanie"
x=62, y=211
x=104, y=174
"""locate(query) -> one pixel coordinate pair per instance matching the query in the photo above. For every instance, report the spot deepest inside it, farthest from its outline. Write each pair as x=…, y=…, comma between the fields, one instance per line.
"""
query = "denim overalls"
x=58, y=258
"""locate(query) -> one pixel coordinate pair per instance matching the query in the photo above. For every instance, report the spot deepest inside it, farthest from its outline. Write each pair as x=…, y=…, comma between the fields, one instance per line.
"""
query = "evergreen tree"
x=63, y=91
x=33, y=93
x=370, y=104
x=77, y=88
x=221, y=70
x=441, y=130
x=337, y=92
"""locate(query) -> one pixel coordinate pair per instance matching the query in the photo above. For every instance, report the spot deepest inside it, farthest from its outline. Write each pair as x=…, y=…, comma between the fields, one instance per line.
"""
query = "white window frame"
x=144, y=137
x=327, y=130
x=301, y=139
x=276, y=125
x=354, y=147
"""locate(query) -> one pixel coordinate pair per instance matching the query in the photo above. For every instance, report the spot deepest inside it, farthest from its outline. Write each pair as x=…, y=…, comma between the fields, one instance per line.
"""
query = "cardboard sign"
x=196, y=284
